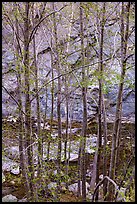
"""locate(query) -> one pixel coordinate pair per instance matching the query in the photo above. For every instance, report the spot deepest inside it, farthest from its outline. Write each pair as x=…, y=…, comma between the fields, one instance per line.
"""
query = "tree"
x=18, y=53
x=59, y=56
x=58, y=101
x=116, y=127
x=67, y=95
x=100, y=97
x=101, y=106
x=39, y=134
x=28, y=134
x=84, y=98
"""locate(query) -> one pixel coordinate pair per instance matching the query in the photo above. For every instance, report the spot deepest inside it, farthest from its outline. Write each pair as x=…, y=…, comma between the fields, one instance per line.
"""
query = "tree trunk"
x=58, y=104
x=100, y=98
x=102, y=102
x=23, y=156
x=84, y=98
x=67, y=97
x=104, y=148
x=116, y=127
x=52, y=98
x=40, y=152
x=28, y=130
x=21, y=126
x=79, y=169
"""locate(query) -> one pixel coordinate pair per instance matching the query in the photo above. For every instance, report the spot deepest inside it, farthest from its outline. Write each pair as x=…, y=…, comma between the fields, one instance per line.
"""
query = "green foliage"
x=130, y=197
x=105, y=88
x=86, y=7
x=92, y=22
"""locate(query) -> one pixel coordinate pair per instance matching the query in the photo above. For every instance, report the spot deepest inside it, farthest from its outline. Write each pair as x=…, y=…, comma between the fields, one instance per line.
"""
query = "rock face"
x=10, y=161
x=9, y=198
x=128, y=105
x=10, y=165
x=9, y=107
x=44, y=64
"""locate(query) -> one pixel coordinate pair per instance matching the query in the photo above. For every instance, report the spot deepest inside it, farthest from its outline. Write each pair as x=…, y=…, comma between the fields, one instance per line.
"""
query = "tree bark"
x=21, y=131
x=84, y=98
x=67, y=96
x=52, y=97
x=58, y=104
x=40, y=148
x=116, y=127
x=99, y=140
x=28, y=135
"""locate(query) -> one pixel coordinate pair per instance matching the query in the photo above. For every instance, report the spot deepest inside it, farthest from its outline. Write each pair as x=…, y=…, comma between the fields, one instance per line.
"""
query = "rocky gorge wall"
x=43, y=48
x=9, y=107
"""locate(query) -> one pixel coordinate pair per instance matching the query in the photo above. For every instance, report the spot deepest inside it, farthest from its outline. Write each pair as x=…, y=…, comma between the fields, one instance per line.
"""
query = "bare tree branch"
x=46, y=83
x=13, y=98
x=36, y=27
x=101, y=182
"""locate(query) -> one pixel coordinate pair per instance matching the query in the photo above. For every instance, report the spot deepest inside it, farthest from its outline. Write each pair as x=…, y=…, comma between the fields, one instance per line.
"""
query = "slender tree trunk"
x=27, y=102
x=84, y=98
x=46, y=102
x=118, y=149
x=58, y=104
x=116, y=127
x=67, y=96
x=99, y=139
x=79, y=169
x=104, y=148
x=100, y=99
x=93, y=178
x=52, y=98
x=66, y=138
x=103, y=111
x=23, y=157
x=51, y=121
x=21, y=131
x=40, y=152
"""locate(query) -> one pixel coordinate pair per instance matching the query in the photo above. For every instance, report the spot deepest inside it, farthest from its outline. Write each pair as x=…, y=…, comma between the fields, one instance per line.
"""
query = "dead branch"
x=101, y=182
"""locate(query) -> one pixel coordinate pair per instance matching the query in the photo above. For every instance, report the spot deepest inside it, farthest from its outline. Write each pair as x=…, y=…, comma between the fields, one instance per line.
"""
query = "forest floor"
x=13, y=183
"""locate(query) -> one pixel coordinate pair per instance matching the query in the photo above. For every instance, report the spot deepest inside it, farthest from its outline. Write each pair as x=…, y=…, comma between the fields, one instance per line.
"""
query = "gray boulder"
x=74, y=187
x=23, y=200
x=9, y=198
x=7, y=190
x=52, y=186
x=12, y=152
x=9, y=165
